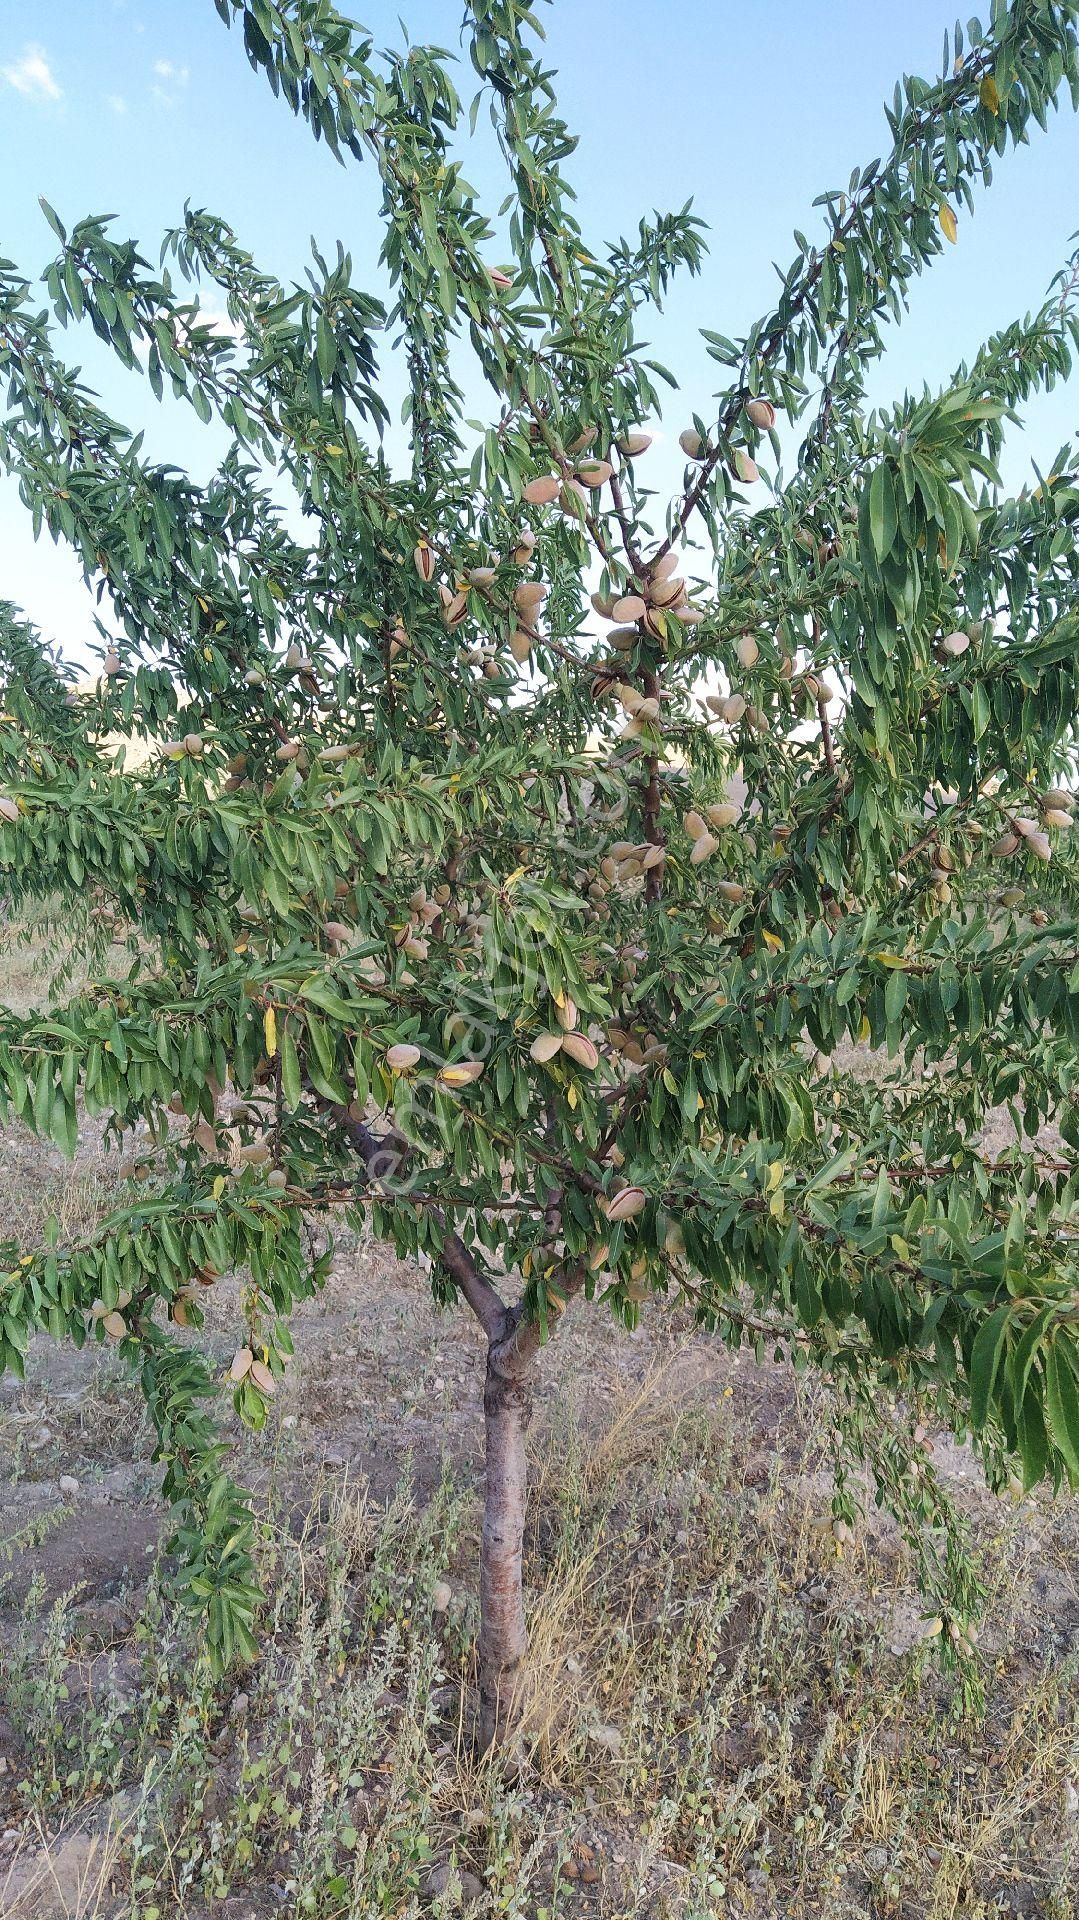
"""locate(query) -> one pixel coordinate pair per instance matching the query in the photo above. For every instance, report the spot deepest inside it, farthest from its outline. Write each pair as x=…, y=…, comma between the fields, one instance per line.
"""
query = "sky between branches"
x=132, y=106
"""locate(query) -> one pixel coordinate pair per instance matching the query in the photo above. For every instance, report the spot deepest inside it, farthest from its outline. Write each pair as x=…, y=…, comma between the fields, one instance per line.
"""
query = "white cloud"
x=168, y=70
x=32, y=75
x=116, y=103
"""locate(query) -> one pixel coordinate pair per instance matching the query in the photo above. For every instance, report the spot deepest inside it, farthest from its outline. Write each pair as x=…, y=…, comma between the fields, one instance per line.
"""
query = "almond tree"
x=445, y=913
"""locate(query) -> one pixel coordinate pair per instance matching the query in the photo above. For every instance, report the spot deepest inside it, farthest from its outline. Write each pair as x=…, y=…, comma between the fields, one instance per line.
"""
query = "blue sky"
x=133, y=106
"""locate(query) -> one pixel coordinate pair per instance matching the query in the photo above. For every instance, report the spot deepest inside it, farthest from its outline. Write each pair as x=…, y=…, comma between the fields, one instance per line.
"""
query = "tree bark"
x=507, y=1409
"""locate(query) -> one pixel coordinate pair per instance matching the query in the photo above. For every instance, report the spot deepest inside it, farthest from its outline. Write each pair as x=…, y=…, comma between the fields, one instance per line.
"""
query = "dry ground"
x=724, y=1717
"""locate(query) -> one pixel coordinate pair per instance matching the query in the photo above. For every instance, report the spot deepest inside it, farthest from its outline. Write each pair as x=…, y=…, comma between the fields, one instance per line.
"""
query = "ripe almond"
x=654, y=857
x=498, y=278
x=331, y=755
x=242, y=1361
x=691, y=444
x=114, y=1324
x=1025, y=825
x=523, y=551
x=666, y=592
x=734, y=707
x=455, y=609
x=594, y=473
x=703, y=847
x=567, y=1014
x=529, y=596
x=603, y=604
x=287, y=750
x=424, y=562
x=253, y=678
x=583, y=440
x=540, y=492
x=694, y=824
x=1039, y=845
x=648, y=710
x=111, y=665
x=953, y=644
x=629, y=607
x=193, y=744
x=1007, y=844
x=261, y=1377
x=724, y=815
x=481, y=577
x=731, y=890
x=623, y=639
x=1058, y=797
x=572, y=496
x=403, y=1054
x=627, y=1204
x=631, y=444
x=748, y=651
x=1056, y=817
x=335, y=930
x=744, y=469
x=762, y=413
x=8, y=808
x=689, y=616
x=545, y=1046
x=520, y=645
x=461, y=1074
x=580, y=1048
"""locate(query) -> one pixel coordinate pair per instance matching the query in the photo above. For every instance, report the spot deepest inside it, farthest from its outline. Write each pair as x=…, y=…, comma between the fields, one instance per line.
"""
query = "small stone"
x=573, y=1665
x=331, y=1458
x=441, y=1595
x=876, y=1859
x=289, y=1420
x=40, y=1439
x=439, y=1877
x=239, y=1705
x=609, y=1738
x=69, y=1486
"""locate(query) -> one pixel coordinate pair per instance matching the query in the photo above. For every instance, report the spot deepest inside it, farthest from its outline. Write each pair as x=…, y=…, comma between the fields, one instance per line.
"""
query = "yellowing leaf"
x=864, y=1030
x=949, y=225
x=890, y=959
x=989, y=94
x=269, y=1028
x=772, y=941
x=218, y=1187
x=571, y=1095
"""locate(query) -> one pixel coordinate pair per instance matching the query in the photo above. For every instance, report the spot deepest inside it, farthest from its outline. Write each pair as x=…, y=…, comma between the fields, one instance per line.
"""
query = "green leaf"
x=985, y=1363
x=883, y=520
x=1062, y=1406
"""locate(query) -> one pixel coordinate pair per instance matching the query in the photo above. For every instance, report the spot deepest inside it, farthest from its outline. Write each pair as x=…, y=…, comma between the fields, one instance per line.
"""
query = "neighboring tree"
x=441, y=911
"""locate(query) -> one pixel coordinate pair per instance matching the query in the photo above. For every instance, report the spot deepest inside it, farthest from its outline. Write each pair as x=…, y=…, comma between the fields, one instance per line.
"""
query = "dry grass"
x=713, y=1718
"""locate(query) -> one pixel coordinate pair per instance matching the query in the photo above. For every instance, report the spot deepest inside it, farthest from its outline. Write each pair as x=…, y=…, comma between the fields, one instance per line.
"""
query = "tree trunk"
x=507, y=1408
